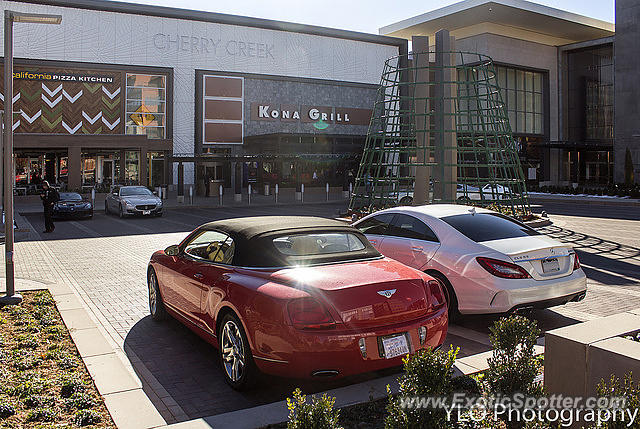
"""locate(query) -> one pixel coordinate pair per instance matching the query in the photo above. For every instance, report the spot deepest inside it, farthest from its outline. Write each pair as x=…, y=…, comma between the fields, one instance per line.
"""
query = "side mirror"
x=173, y=250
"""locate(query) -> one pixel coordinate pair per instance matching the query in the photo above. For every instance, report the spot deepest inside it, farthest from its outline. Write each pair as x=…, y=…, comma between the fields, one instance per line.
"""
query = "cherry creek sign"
x=310, y=114
x=212, y=46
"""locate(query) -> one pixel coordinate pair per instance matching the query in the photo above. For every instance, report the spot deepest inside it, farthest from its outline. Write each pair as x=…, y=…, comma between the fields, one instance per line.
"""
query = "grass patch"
x=44, y=381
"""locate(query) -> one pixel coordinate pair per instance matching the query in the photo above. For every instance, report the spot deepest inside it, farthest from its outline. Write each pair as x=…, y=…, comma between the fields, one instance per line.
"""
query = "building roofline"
x=219, y=18
x=518, y=4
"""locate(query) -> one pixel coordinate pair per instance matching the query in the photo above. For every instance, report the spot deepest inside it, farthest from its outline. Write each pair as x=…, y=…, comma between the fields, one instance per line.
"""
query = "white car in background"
x=463, y=192
x=488, y=262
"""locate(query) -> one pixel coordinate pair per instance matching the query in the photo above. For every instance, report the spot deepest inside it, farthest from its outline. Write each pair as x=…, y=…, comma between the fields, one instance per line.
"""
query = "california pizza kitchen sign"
x=311, y=114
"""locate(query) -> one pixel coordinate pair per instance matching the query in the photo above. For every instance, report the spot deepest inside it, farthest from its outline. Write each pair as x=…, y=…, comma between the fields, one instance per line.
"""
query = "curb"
x=584, y=199
x=539, y=223
x=28, y=210
x=121, y=389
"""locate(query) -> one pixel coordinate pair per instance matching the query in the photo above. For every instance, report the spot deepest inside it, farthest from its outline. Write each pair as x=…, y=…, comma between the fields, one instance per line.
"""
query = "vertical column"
x=165, y=169
x=144, y=166
x=420, y=77
x=74, y=167
x=123, y=165
x=446, y=152
x=181, y=179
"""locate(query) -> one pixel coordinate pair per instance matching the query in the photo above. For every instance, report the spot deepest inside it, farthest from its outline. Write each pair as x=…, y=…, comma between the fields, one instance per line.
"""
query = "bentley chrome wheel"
x=153, y=297
x=233, y=355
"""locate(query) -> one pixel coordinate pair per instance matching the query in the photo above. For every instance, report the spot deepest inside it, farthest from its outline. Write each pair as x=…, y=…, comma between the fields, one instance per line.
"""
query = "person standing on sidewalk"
x=49, y=197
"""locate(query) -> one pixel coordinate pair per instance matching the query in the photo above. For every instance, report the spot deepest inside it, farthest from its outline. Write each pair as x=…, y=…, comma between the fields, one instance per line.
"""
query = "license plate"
x=146, y=212
x=550, y=265
x=395, y=346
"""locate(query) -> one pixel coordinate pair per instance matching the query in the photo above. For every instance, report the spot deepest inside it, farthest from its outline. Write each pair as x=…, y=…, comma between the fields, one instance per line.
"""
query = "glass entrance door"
x=107, y=172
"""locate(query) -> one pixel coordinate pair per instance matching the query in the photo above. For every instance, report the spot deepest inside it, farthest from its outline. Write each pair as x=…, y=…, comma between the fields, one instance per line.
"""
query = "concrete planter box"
x=578, y=357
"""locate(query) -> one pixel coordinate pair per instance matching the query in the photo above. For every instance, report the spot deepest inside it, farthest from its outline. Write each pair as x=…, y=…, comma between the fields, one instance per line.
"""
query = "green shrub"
x=71, y=385
x=513, y=366
x=625, y=388
x=6, y=410
x=81, y=401
x=28, y=385
x=27, y=362
x=34, y=401
x=27, y=341
x=315, y=414
x=67, y=362
x=43, y=298
x=86, y=417
x=55, y=332
x=427, y=373
x=41, y=415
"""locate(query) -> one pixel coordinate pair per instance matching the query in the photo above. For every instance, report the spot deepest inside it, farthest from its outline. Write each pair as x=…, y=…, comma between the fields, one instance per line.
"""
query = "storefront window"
x=146, y=105
x=522, y=94
x=132, y=171
x=590, y=101
x=88, y=170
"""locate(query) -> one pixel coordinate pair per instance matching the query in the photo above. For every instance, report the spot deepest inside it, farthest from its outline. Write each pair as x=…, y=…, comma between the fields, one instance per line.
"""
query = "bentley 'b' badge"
x=387, y=293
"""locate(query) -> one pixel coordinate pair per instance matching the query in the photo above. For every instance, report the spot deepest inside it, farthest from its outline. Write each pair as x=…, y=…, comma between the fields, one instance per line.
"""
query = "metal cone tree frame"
x=440, y=133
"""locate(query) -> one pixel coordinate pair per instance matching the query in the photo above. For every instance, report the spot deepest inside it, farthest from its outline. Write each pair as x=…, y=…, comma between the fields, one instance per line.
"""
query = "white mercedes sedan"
x=488, y=262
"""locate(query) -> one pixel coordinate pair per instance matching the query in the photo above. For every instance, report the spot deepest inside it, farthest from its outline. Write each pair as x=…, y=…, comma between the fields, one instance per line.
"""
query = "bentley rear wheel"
x=235, y=354
x=156, y=306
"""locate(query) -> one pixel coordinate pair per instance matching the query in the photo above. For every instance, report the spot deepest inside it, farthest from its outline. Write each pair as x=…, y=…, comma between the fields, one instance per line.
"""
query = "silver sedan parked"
x=132, y=200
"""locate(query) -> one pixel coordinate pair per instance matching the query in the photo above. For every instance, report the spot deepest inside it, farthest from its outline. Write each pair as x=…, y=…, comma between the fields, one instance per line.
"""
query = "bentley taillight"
x=576, y=262
x=503, y=269
x=308, y=313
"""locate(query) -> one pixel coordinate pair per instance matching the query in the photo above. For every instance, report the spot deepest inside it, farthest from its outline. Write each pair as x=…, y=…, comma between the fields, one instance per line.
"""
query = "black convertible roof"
x=250, y=227
x=253, y=237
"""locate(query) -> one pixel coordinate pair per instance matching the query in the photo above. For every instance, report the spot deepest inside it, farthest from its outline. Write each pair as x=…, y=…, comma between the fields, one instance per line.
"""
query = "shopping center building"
x=556, y=71
x=128, y=93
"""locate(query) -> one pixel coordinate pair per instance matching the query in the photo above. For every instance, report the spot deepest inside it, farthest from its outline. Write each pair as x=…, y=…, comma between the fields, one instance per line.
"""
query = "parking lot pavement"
x=105, y=260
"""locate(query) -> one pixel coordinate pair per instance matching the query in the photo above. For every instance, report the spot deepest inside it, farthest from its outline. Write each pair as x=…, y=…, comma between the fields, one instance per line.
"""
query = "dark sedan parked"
x=71, y=205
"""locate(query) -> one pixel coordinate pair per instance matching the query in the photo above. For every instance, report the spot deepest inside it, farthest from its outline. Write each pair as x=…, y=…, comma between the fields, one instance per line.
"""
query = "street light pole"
x=9, y=18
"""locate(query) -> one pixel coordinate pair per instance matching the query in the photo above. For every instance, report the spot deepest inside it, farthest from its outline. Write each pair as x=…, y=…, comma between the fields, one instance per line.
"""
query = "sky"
x=358, y=15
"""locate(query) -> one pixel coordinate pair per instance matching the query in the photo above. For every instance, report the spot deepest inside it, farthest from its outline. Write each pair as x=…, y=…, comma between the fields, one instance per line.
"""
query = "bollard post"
x=93, y=198
x=276, y=194
x=302, y=193
x=220, y=193
x=249, y=193
x=350, y=189
x=327, y=192
x=191, y=194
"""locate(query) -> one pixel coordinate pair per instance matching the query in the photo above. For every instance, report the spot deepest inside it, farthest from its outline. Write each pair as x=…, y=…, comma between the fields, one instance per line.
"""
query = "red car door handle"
x=373, y=241
x=417, y=248
x=198, y=276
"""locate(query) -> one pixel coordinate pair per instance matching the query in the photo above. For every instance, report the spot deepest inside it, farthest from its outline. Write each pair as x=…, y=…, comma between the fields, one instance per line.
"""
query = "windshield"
x=488, y=226
x=70, y=196
x=318, y=244
x=127, y=192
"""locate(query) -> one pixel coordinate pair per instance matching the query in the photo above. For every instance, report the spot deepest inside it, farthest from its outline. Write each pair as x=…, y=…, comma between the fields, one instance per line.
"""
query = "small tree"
x=628, y=168
x=315, y=414
x=621, y=388
x=513, y=367
x=427, y=373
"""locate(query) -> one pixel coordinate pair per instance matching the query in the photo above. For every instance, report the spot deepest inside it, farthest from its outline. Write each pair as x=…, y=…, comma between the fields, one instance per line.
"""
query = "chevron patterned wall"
x=67, y=107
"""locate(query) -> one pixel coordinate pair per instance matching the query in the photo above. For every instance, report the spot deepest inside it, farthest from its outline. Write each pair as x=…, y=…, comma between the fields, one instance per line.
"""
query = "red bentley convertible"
x=295, y=296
